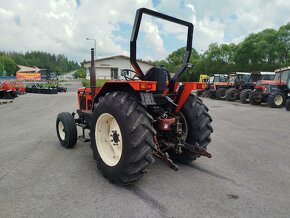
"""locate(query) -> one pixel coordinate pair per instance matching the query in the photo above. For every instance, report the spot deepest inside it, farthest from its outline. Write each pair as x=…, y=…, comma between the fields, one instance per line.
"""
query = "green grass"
x=99, y=82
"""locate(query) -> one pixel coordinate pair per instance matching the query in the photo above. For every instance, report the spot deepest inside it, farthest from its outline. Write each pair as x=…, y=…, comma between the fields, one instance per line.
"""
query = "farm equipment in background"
x=40, y=89
x=151, y=113
x=275, y=92
x=236, y=82
x=243, y=89
x=216, y=87
x=10, y=89
x=203, y=79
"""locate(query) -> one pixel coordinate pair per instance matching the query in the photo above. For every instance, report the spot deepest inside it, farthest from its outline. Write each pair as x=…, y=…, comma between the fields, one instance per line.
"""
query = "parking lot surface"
x=248, y=175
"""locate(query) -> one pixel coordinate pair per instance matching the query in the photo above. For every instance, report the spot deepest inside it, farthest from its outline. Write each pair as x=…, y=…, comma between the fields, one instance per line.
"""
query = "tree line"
x=55, y=63
x=263, y=51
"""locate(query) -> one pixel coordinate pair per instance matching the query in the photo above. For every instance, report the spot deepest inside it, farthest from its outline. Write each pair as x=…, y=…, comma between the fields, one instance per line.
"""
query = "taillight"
x=199, y=86
x=146, y=86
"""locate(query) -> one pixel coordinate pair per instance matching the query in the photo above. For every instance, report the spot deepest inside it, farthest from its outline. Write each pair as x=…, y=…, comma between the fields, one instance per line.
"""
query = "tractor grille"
x=82, y=102
x=259, y=90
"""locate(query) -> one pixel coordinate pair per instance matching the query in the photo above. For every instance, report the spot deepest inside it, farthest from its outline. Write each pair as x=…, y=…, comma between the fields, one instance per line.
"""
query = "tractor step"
x=83, y=139
x=5, y=101
x=83, y=125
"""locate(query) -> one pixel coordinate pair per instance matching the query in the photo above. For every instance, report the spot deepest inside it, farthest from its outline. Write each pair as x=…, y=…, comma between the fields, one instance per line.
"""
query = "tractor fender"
x=112, y=87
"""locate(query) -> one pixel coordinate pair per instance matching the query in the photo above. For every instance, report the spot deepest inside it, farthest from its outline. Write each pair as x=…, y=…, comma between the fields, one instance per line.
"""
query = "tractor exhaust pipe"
x=93, y=74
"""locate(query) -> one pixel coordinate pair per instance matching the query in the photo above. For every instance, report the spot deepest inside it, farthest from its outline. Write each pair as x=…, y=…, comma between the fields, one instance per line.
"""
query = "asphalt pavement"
x=248, y=175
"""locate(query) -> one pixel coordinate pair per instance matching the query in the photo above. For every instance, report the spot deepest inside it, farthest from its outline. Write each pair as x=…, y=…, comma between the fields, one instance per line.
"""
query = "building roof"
x=28, y=69
x=118, y=56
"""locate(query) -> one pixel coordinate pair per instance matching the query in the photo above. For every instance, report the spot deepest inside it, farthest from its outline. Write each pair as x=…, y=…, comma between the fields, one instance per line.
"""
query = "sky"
x=62, y=26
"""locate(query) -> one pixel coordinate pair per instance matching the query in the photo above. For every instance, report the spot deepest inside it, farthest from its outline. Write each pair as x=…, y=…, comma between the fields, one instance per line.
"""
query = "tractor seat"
x=159, y=75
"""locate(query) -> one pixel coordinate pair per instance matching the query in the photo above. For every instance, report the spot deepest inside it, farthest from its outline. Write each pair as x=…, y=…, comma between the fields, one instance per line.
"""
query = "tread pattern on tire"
x=70, y=129
x=137, y=131
x=199, y=127
x=287, y=105
x=271, y=99
x=221, y=94
x=231, y=94
x=245, y=96
x=253, y=98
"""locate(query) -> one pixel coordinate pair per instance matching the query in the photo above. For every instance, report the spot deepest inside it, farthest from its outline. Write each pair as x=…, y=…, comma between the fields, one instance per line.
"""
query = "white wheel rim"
x=61, y=130
x=278, y=100
x=109, y=139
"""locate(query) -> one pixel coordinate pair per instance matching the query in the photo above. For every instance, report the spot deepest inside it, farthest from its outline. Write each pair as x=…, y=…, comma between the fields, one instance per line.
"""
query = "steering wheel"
x=125, y=72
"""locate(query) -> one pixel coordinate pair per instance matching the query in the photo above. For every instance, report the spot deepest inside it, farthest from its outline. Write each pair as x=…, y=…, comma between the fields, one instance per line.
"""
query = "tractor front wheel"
x=121, y=137
x=287, y=105
x=231, y=94
x=276, y=100
x=66, y=130
x=197, y=122
x=221, y=94
x=245, y=96
x=255, y=98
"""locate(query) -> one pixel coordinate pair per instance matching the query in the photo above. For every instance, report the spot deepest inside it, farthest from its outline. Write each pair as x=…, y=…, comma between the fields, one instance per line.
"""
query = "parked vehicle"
x=274, y=92
x=148, y=113
x=215, y=88
x=245, y=89
x=236, y=82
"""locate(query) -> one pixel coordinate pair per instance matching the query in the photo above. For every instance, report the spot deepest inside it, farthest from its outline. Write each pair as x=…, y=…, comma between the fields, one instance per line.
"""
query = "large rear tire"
x=276, y=100
x=254, y=98
x=198, y=122
x=245, y=96
x=221, y=94
x=211, y=94
x=231, y=94
x=204, y=94
x=287, y=105
x=66, y=130
x=121, y=137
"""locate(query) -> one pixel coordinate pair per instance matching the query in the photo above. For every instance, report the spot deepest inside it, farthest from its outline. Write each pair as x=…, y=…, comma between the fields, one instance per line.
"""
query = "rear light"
x=199, y=86
x=146, y=86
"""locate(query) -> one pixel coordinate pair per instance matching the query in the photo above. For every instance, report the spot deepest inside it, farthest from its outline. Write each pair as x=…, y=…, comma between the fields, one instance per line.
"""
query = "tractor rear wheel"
x=231, y=94
x=287, y=105
x=276, y=100
x=245, y=96
x=121, y=137
x=221, y=94
x=198, y=124
x=211, y=94
x=66, y=130
x=204, y=94
x=255, y=99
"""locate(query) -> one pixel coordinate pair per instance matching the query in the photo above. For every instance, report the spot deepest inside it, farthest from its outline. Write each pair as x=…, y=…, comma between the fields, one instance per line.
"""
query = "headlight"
x=267, y=88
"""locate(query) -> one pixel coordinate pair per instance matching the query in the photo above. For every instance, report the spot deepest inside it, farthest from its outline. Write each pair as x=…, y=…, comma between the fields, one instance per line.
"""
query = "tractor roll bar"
x=134, y=36
x=93, y=74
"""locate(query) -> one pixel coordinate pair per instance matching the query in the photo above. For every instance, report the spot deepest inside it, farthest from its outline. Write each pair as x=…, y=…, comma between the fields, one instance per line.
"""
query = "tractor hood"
x=270, y=82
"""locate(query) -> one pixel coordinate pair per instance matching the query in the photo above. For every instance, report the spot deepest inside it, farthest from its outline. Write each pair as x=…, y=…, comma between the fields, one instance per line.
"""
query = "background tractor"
x=236, y=81
x=129, y=121
x=215, y=88
x=274, y=92
x=244, y=90
x=204, y=80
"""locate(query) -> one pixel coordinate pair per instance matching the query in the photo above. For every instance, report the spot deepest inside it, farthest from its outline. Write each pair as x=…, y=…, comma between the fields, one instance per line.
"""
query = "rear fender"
x=132, y=87
x=188, y=88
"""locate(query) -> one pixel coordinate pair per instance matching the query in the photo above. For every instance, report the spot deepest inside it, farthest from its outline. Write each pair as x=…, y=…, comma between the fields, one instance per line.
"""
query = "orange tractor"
x=129, y=121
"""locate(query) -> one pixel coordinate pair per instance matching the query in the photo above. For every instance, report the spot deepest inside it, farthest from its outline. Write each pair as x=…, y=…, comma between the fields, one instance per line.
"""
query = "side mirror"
x=189, y=65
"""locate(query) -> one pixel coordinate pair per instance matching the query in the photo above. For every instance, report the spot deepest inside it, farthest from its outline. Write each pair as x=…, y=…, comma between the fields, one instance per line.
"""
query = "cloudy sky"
x=61, y=26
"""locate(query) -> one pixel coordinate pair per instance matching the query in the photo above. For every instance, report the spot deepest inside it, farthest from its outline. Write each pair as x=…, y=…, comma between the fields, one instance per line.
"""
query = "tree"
x=80, y=73
x=7, y=66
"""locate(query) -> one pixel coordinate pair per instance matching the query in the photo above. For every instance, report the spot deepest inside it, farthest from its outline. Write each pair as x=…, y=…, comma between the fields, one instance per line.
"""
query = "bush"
x=99, y=82
x=81, y=73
